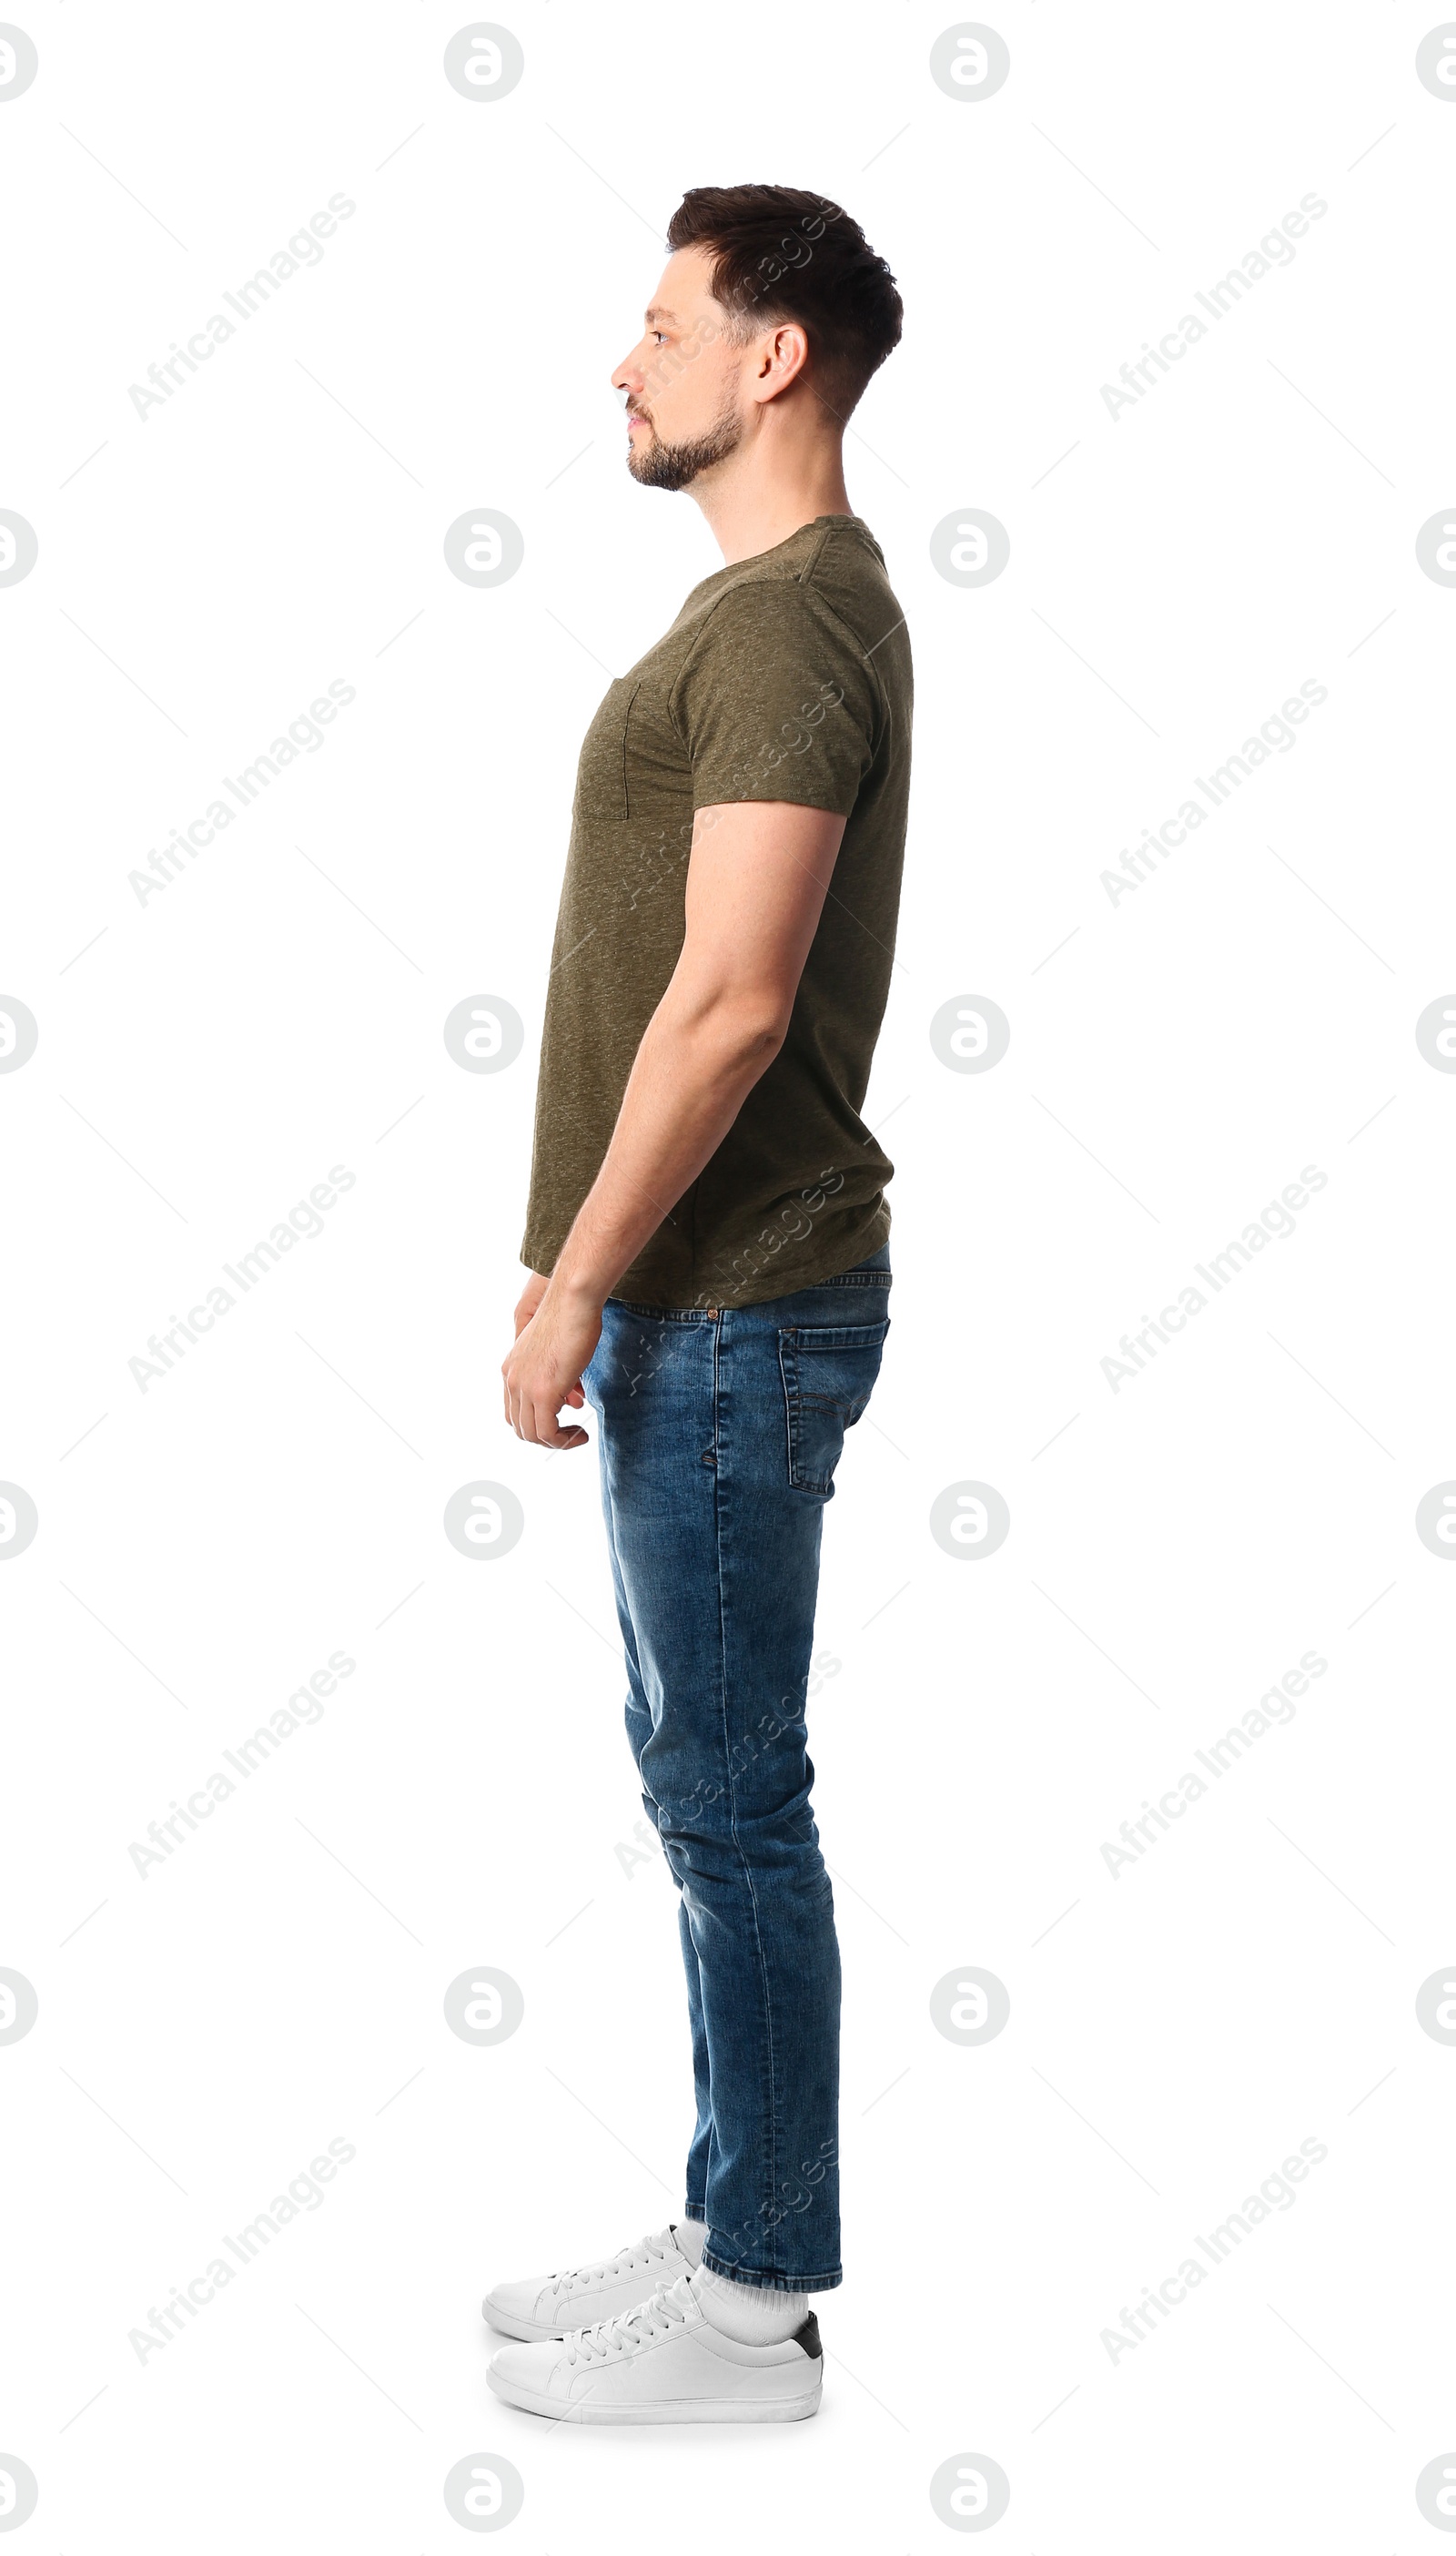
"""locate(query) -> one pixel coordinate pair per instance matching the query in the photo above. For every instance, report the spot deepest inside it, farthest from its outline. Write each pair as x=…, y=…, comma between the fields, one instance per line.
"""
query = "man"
x=707, y=1236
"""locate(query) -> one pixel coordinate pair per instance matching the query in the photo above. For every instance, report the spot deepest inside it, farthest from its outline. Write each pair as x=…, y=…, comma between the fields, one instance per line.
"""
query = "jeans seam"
x=772, y=2106
x=688, y=1315
x=772, y=2280
x=790, y=1413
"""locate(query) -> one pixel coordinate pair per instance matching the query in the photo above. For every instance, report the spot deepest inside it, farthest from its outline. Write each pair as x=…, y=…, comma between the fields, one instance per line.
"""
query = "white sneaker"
x=663, y=2363
x=556, y=2303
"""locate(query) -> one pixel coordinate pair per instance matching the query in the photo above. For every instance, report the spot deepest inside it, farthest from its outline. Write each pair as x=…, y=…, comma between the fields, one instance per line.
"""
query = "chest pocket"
x=601, y=773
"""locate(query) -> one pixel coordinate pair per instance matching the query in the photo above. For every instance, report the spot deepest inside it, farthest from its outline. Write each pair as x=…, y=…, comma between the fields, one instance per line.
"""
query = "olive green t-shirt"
x=786, y=677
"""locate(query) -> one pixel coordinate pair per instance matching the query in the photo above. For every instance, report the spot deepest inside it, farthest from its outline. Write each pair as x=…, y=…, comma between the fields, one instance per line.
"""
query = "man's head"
x=771, y=298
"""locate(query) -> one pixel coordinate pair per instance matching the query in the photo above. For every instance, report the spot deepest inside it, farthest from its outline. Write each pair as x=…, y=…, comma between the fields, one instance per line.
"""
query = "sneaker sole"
x=721, y=2409
x=517, y=2329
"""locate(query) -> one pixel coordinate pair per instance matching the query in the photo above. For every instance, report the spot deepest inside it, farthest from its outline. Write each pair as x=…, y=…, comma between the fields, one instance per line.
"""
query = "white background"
x=1176, y=1545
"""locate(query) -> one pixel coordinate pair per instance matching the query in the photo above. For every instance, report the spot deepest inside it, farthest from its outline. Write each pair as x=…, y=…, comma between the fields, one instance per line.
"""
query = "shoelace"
x=658, y=2248
x=637, y=2326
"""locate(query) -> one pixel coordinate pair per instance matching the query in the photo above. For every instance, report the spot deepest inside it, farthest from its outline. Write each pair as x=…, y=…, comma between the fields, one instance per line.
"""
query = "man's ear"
x=785, y=356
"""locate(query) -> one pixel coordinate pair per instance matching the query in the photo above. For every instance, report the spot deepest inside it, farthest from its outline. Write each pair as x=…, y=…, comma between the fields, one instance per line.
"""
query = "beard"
x=677, y=465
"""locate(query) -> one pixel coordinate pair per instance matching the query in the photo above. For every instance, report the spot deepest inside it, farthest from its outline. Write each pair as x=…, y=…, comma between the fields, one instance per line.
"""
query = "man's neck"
x=745, y=519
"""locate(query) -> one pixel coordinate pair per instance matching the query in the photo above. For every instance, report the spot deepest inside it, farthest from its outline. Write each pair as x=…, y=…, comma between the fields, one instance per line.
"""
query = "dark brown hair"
x=781, y=254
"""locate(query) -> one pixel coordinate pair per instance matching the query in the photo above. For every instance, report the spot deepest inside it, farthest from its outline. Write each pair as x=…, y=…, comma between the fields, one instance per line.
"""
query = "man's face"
x=682, y=381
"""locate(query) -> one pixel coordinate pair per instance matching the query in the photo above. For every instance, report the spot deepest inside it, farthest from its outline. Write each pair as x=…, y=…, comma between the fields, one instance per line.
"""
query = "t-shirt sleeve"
x=776, y=701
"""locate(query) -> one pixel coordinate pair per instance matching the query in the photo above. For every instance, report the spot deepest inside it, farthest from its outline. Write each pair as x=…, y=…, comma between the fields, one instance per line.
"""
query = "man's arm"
x=757, y=880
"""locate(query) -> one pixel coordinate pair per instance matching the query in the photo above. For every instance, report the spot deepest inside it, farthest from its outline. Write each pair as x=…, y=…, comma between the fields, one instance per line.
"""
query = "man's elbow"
x=743, y=1031
x=764, y=1036
x=762, y=1028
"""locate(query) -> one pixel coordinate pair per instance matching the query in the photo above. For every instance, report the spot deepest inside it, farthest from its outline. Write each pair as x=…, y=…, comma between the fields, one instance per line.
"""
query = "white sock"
x=689, y=2236
x=747, y=2313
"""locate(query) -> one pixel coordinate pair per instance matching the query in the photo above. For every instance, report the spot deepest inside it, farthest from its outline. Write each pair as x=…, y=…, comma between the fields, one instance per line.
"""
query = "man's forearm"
x=693, y=1073
x=755, y=884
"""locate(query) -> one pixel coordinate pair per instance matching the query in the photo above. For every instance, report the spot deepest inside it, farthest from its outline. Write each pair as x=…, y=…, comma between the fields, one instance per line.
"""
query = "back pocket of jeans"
x=828, y=1378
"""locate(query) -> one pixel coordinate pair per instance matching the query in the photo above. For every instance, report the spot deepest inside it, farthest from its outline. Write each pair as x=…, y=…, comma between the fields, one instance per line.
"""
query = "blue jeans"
x=719, y=1433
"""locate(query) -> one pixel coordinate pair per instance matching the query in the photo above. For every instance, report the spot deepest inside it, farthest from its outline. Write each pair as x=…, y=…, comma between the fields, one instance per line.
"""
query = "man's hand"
x=555, y=1335
x=529, y=1298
